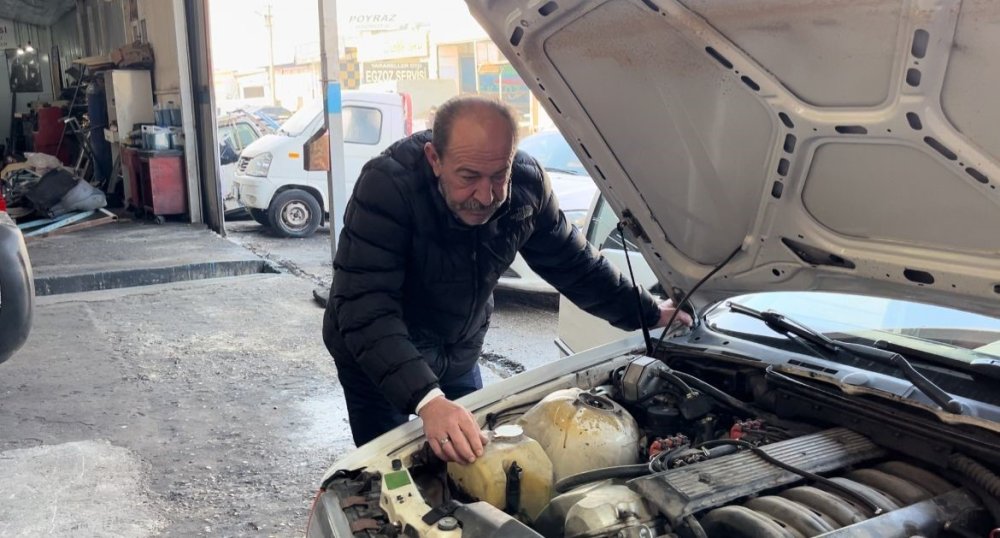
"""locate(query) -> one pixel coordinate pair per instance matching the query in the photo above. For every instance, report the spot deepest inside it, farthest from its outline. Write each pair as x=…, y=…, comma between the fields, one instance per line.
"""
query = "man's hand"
x=452, y=431
x=667, y=311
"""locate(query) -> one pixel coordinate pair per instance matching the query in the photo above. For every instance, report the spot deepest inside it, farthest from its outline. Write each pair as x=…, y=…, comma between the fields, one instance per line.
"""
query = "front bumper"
x=254, y=192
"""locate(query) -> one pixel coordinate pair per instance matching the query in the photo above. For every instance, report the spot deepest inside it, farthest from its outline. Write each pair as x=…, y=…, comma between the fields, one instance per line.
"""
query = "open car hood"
x=840, y=146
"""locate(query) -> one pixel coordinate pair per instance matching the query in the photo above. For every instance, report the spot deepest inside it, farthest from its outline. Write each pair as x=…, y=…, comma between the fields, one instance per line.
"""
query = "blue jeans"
x=371, y=414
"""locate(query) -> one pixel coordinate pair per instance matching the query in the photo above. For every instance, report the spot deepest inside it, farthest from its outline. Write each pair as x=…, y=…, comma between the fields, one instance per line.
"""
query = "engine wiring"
x=493, y=419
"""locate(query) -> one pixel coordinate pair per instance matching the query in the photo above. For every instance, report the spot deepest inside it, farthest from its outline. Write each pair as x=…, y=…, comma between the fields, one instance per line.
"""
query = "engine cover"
x=680, y=492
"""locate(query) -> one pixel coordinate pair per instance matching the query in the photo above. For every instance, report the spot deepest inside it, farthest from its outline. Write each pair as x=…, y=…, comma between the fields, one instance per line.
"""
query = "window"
x=239, y=135
x=362, y=125
x=603, y=232
x=252, y=92
x=245, y=135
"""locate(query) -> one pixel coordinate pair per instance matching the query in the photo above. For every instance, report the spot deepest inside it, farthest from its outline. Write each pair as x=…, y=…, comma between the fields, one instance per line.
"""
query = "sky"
x=239, y=37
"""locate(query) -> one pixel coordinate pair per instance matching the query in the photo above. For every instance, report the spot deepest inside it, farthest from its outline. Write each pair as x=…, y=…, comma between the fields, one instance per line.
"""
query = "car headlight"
x=577, y=218
x=259, y=165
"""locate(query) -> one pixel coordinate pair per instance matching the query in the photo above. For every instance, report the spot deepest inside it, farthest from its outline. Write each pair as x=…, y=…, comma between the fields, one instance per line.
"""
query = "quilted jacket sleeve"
x=559, y=253
x=369, y=269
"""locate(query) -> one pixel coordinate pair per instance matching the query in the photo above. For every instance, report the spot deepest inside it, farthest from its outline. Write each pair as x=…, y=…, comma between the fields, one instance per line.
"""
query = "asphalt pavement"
x=197, y=406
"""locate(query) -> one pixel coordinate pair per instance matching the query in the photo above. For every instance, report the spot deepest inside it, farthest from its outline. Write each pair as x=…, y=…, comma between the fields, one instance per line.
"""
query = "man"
x=432, y=224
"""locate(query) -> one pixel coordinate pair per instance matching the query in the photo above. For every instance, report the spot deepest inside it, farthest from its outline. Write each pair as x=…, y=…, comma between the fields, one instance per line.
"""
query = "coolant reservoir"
x=581, y=432
x=491, y=479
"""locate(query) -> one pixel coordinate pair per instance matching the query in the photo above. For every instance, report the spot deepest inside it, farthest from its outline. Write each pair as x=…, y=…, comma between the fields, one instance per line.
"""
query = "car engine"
x=658, y=452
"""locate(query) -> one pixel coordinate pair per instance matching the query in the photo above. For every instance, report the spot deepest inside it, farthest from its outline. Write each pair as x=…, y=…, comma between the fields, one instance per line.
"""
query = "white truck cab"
x=271, y=177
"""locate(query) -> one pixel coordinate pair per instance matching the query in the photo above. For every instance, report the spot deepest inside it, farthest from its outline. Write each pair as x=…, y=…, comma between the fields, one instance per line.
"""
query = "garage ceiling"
x=40, y=12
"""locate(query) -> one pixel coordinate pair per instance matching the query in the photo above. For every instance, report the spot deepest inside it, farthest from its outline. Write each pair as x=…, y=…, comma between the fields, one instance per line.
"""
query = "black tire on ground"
x=295, y=213
x=259, y=215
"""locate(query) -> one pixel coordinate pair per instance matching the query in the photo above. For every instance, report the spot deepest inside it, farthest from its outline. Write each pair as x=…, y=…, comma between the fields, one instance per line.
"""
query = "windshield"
x=300, y=121
x=552, y=151
x=867, y=319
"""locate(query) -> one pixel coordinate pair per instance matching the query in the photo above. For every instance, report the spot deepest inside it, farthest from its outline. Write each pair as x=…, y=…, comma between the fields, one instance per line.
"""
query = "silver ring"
x=444, y=441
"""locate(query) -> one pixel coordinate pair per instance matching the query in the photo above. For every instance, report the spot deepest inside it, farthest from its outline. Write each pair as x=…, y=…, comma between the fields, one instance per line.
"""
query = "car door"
x=579, y=330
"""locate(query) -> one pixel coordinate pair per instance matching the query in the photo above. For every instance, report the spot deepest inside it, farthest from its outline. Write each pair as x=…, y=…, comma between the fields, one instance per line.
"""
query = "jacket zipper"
x=475, y=285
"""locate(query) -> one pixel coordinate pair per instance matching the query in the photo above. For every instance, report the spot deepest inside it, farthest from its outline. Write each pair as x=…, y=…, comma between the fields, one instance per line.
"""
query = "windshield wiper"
x=783, y=325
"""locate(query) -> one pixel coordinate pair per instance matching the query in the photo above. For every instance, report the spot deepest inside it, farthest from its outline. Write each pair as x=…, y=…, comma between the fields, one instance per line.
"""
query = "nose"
x=484, y=192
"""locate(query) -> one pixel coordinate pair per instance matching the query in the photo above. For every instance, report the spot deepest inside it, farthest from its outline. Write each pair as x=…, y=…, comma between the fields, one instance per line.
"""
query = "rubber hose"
x=697, y=531
x=990, y=502
x=715, y=393
x=976, y=472
x=596, y=475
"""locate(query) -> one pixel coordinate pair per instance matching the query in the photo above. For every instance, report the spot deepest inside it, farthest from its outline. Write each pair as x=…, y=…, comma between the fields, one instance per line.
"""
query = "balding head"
x=498, y=117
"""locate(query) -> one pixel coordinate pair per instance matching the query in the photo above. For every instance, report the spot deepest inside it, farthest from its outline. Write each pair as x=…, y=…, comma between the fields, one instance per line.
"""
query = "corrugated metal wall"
x=65, y=36
x=103, y=26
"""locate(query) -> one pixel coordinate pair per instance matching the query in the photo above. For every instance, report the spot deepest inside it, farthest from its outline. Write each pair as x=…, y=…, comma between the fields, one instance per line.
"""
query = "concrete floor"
x=203, y=407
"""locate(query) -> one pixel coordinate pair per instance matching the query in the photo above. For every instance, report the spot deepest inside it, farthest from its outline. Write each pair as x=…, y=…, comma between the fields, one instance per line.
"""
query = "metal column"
x=336, y=177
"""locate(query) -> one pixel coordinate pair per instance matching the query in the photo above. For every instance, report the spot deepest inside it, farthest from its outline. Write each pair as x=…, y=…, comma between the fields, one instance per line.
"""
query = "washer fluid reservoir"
x=581, y=431
x=514, y=474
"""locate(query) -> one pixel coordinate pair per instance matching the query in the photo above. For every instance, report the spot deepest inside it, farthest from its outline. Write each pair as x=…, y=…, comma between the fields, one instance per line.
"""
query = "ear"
x=432, y=157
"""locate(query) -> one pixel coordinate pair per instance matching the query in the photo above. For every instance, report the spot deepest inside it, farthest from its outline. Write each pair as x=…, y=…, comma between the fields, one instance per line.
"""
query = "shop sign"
x=375, y=22
x=384, y=71
x=504, y=82
x=392, y=45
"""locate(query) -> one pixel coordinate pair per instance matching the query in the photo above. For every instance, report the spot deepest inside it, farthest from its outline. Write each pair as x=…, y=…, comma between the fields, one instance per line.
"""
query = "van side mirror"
x=317, y=152
x=227, y=153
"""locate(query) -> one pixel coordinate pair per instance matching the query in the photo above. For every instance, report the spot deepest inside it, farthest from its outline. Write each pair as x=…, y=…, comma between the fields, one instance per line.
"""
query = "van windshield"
x=300, y=121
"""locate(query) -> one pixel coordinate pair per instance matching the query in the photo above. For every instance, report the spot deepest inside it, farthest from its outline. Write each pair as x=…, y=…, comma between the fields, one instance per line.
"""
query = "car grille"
x=242, y=165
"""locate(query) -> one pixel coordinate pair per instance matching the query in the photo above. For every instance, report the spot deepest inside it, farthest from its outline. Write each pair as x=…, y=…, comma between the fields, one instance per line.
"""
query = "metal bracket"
x=628, y=220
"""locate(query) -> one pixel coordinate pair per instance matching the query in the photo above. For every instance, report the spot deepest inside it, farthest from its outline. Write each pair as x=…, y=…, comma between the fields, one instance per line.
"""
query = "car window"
x=603, y=232
x=226, y=134
x=245, y=135
x=362, y=125
x=552, y=151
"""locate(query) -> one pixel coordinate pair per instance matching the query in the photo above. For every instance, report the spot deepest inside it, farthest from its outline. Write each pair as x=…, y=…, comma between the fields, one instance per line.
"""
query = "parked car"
x=573, y=188
x=235, y=132
x=815, y=183
x=17, y=289
x=272, y=181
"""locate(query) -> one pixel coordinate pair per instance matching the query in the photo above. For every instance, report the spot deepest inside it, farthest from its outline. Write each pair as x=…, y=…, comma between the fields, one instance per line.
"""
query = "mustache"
x=473, y=205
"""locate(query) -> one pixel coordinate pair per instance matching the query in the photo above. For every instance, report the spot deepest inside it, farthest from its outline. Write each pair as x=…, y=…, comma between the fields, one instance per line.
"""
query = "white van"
x=271, y=179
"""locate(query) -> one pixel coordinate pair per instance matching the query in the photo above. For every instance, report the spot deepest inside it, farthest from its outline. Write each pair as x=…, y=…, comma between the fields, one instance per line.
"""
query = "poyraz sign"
x=374, y=22
x=7, y=39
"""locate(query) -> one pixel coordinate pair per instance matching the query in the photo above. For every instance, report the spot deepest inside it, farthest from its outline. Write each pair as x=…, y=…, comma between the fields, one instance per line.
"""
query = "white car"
x=235, y=132
x=573, y=188
x=815, y=182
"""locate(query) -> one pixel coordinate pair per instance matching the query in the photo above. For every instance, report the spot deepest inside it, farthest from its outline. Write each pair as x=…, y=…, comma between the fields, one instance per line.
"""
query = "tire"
x=295, y=213
x=260, y=216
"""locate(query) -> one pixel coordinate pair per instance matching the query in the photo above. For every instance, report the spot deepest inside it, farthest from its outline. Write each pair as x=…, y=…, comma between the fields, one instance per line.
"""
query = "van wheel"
x=295, y=213
x=260, y=216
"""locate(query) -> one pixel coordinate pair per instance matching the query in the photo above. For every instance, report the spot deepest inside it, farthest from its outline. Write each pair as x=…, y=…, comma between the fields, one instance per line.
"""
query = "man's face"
x=474, y=172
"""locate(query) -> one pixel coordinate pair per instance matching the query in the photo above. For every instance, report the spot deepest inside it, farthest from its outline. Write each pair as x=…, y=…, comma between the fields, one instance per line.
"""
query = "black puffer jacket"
x=413, y=286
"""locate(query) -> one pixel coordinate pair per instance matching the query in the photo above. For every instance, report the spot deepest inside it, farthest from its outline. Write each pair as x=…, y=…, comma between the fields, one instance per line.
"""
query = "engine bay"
x=686, y=450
